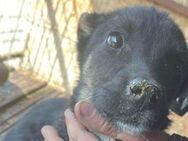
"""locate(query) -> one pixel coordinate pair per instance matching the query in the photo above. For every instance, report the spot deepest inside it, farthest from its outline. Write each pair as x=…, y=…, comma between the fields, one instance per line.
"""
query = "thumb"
x=90, y=118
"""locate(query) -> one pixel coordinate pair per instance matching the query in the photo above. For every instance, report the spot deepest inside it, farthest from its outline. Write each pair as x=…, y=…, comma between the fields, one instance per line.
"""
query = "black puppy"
x=133, y=62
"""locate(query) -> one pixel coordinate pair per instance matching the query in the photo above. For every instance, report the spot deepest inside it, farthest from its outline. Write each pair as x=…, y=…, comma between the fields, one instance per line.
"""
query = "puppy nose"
x=144, y=87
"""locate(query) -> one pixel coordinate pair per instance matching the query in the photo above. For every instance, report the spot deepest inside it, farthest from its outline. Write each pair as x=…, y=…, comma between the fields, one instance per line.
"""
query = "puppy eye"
x=115, y=40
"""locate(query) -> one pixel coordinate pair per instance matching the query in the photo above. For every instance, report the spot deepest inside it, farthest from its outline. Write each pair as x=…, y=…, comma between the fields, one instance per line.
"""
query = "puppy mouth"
x=140, y=119
x=129, y=108
x=130, y=111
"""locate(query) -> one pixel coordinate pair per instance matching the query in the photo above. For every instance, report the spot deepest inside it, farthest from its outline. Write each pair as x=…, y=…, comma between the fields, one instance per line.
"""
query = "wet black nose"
x=144, y=87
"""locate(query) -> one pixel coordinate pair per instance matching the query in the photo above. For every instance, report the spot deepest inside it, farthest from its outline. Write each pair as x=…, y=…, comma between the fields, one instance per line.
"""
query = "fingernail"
x=68, y=112
x=46, y=131
x=49, y=133
x=43, y=131
x=86, y=109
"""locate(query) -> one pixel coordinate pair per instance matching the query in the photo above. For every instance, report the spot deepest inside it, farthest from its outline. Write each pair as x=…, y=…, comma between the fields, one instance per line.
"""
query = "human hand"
x=86, y=117
x=76, y=131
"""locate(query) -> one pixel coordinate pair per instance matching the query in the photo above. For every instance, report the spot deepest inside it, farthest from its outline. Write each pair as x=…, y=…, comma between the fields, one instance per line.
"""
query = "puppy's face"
x=133, y=63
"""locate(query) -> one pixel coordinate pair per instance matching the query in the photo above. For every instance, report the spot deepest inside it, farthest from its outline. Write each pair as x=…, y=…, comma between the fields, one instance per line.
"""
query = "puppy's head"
x=133, y=63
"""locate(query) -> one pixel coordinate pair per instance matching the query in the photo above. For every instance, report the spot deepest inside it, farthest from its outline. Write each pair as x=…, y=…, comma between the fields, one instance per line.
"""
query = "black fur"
x=154, y=49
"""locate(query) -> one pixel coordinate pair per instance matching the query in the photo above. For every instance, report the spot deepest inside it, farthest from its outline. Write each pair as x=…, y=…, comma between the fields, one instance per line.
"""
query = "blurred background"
x=38, y=48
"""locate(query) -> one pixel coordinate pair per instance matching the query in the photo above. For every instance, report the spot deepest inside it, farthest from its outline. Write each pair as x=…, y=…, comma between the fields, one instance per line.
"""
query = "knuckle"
x=105, y=127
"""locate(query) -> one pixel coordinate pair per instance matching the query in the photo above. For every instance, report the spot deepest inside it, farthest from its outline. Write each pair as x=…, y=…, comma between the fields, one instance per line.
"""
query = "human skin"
x=86, y=117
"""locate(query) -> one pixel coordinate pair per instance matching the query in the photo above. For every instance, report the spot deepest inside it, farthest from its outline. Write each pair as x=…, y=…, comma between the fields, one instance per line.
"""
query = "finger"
x=90, y=118
x=76, y=131
x=50, y=134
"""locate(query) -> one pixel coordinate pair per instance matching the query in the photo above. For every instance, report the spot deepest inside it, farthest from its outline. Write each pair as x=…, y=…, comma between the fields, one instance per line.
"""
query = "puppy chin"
x=131, y=129
x=138, y=124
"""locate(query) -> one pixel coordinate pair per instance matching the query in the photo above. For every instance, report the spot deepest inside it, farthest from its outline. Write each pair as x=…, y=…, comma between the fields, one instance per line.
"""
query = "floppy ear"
x=86, y=25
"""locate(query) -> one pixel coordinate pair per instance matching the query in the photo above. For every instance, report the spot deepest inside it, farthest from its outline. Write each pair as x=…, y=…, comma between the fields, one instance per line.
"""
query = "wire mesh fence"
x=45, y=31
